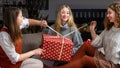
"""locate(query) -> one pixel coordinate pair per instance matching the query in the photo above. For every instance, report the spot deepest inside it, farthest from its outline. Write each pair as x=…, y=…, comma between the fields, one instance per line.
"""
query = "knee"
x=32, y=63
x=85, y=59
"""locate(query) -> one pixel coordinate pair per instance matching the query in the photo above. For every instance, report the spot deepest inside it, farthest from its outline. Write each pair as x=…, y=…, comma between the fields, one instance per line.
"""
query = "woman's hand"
x=43, y=23
x=92, y=29
x=38, y=51
x=93, y=25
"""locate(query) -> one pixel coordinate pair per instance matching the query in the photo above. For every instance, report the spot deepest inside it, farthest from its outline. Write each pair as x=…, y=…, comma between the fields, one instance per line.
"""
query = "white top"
x=110, y=41
x=25, y=23
x=8, y=46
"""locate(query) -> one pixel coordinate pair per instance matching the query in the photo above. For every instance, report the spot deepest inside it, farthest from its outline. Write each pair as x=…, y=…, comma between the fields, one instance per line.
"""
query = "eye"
x=68, y=13
x=108, y=12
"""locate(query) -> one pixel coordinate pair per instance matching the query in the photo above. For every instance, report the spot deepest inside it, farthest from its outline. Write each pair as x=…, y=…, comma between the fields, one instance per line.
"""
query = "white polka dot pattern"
x=53, y=45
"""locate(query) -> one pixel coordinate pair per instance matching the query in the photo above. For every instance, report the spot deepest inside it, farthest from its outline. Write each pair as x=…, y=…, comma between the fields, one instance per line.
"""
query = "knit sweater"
x=110, y=41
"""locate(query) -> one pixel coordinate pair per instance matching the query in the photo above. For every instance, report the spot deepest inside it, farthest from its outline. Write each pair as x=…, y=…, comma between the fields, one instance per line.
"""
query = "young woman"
x=11, y=55
x=65, y=24
x=89, y=56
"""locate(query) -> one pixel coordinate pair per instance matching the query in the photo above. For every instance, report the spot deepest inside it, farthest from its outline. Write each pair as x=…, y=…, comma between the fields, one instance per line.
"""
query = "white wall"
x=76, y=4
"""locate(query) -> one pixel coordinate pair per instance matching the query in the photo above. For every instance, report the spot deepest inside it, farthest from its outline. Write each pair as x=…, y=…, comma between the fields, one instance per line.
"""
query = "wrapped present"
x=57, y=48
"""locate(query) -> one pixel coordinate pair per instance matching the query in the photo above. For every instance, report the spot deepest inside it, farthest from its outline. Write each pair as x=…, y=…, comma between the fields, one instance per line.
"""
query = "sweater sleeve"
x=97, y=42
x=77, y=40
x=25, y=23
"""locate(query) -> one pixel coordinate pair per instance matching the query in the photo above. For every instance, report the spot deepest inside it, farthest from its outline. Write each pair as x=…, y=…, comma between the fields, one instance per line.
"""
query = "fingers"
x=42, y=50
x=93, y=22
x=92, y=25
x=38, y=51
x=44, y=23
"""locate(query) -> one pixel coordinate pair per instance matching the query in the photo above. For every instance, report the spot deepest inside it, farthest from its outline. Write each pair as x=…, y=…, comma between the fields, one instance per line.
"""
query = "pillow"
x=31, y=41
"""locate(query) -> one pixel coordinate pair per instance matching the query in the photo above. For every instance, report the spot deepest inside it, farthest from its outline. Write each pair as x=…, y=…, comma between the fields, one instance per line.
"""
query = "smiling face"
x=65, y=13
x=111, y=15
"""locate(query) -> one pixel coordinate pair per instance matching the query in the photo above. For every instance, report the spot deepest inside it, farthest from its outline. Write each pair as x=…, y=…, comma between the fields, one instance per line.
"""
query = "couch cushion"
x=31, y=41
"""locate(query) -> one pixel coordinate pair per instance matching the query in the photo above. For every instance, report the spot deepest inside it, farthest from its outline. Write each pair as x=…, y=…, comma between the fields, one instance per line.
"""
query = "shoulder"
x=4, y=35
x=74, y=28
x=25, y=23
x=53, y=26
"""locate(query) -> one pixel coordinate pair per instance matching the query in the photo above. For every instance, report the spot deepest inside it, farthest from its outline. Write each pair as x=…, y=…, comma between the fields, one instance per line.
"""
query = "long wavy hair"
x=115, y=6
x=10, y=21
x=58, y=20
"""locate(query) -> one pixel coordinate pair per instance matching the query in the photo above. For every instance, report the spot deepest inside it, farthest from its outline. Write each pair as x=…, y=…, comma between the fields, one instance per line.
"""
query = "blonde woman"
x=65, y=24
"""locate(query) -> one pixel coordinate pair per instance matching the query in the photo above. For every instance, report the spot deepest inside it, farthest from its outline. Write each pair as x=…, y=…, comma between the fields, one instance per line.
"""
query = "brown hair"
x=115, y=6
x=10, y=21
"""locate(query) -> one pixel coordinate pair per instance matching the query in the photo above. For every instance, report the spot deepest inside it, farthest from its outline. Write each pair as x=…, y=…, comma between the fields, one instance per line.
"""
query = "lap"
x=101, y=62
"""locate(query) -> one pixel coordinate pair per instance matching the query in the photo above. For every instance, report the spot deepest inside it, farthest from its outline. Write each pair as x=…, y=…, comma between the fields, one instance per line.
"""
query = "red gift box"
x=88, y=41
x=57, y=48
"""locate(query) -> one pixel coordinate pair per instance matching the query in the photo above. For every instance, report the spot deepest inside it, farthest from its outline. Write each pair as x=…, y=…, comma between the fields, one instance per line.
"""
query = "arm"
x=92, y=29
x=9, y=49
x=31, y=22
x=29, y=54
x=77, y=40
x=96, y=39
x=42, y=23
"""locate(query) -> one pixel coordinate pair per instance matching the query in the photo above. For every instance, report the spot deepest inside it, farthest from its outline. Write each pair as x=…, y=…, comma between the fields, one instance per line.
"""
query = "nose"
x=64, y=16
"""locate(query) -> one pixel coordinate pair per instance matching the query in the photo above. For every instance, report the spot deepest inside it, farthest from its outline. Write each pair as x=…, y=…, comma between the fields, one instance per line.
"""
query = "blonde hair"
x=115, y=6
x=58, y=20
